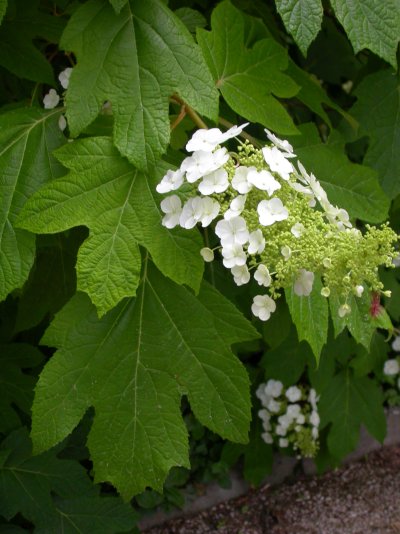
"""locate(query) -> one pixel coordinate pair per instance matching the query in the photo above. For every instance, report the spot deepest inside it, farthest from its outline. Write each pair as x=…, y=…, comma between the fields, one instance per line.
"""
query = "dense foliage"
x=125, y=358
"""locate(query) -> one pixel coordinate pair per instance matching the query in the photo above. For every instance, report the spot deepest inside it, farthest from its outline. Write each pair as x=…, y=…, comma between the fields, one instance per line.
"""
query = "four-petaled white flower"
x=267, y=437
x=170, y=181
x=202, y=163
x=239, y=180
x=263, y=180
x=51, y=100
x=240, y=274
x=344, y=310
x=262, y=276
x=396, y=344
x=304, y=283
x=191, y=213
x=271, y=211
x=391, y=367
x=214, y=182
x=293, y=394
x=278, y=162
x=273, y=406
x=236, y=207
x=358, y=291
x=273, y=388
x=286, y=252
x=232, y=231
x=172, y=207
x=314, y=418
x=281, y=144
x=210, y=209
x=207, y=140
x=263, y=306
x=256, y=242
x=233, y=255
x=297, y=229
x=64, y=77
x=283, y=443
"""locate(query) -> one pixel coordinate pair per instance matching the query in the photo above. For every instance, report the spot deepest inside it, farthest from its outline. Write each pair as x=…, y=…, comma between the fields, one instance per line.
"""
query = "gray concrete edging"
x=283, y=467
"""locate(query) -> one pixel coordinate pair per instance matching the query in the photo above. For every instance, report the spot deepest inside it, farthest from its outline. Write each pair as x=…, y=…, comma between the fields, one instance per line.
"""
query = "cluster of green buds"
x=290, y=417
x=274, y=221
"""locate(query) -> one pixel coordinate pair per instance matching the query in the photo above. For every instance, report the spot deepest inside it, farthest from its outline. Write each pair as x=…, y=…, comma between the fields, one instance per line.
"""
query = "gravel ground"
x=361, y=498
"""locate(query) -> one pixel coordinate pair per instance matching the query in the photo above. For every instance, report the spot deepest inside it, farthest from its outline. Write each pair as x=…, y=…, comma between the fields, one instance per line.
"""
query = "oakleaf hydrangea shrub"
x=290, y=417
x=274, y=221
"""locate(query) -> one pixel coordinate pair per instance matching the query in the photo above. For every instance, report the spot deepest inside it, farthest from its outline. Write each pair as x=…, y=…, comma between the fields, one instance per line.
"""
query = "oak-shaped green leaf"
x=378, y=112
x=51, y=492
x=302, y=19
x=104, y=192
x=359, y=321
x=27, y=139
x=16, y=386
x=136, y=60
x=310, y=315
x=133, y=366
x=371, y=24
x=347, y=402
x=249, y=79
x=349, y=185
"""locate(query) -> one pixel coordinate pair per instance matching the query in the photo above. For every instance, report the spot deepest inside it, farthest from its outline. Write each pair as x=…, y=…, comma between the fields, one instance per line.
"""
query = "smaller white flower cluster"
x=290, y=417
x=391, y=368
x=52, y=98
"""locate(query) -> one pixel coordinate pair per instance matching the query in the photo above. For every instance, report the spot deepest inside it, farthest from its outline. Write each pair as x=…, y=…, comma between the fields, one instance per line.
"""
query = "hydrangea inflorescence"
x=290, y=417
x=275, y=223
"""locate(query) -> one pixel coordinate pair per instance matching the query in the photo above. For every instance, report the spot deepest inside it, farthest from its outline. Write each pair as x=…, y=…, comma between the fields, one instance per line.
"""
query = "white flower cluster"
x=52, y=98
x=391, y=368
x=253, y=198
x=289, y=417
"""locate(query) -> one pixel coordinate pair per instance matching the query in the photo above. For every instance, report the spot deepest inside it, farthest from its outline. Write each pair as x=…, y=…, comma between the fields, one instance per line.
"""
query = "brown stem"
x=179, y=118
x=191, y=112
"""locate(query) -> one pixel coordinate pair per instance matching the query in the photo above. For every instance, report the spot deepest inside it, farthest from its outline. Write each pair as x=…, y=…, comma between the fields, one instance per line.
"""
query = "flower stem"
x=190, y=112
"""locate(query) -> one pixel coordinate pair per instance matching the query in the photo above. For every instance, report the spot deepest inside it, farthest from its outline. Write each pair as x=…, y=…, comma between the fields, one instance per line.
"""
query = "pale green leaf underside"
x=347, y=402
x=378, y=112
x=133, y=365
x=358, y=321
x=136, y=60
x=371, y=24
x=27, y=139
x=302, y=19
x=115, y=201
x=310, y=315
x=349, y=185
x=249, y=79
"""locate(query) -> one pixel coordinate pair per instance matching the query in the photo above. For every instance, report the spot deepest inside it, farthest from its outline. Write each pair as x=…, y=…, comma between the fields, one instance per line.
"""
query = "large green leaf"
x=371, y=24
x=249, y=79
x=55, y=494
x=349, y=185
x=16, y=386
x=378, y=112
x=118, y=204
x=302, y=19
x=133, y=366
x=27, y=139
x=310, y=315
x=136, y=60
x=348, y=402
